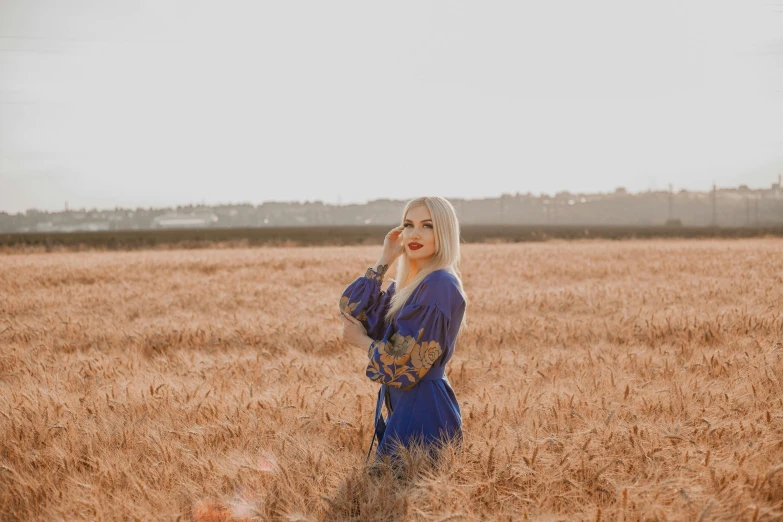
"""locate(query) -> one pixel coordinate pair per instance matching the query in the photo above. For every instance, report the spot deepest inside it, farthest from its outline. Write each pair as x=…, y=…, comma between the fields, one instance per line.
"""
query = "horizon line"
x=617, y=190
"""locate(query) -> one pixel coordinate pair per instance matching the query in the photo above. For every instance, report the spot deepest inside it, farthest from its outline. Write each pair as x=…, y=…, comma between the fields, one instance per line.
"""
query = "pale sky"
x=108, y=103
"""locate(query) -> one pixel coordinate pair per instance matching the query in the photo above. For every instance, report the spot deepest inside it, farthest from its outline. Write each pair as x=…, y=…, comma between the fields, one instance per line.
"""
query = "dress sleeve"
x=365, y=300
x=403, y=359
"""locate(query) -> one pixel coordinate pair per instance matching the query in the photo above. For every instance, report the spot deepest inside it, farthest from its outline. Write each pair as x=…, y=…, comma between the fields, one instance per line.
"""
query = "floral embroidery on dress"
x=401, y=345
x=424, y=356
x=402, y=360
x=372, y=274
x=349, y=308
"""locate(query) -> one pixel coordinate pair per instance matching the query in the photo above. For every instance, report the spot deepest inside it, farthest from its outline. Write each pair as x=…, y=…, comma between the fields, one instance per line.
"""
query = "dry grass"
x=598, y=381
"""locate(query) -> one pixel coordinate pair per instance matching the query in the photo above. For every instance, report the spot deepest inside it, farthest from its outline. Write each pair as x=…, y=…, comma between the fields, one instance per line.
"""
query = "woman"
x=409, y=331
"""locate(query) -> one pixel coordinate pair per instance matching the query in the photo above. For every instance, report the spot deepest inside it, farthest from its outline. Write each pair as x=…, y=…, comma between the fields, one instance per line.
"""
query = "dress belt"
x=433, y=374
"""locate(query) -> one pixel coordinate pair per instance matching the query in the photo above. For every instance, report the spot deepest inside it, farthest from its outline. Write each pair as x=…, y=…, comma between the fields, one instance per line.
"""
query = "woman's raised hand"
x=392, y=246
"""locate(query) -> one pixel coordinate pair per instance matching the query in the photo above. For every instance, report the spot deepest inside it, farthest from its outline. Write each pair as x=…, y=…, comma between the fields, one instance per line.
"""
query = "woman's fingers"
x=351, y=319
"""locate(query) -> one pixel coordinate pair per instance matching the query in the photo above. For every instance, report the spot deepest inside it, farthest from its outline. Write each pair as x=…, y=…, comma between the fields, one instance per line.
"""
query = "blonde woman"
x=409, y=331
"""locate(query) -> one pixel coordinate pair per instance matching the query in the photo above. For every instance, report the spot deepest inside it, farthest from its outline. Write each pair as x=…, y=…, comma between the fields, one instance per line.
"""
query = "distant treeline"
x=727, y=207
x=349, y=235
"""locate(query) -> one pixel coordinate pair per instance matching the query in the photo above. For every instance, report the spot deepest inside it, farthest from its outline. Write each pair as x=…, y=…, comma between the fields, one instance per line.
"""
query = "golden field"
x=598, y=380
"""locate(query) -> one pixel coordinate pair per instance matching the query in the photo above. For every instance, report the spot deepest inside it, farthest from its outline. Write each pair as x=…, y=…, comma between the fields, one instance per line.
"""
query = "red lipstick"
x=415, y=246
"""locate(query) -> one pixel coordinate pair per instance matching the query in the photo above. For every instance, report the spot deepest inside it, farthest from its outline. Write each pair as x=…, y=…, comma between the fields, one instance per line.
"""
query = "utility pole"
x=714, y=204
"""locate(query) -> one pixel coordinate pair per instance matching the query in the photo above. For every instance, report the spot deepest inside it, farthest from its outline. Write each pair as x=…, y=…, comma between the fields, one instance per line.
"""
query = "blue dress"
x=408, y=357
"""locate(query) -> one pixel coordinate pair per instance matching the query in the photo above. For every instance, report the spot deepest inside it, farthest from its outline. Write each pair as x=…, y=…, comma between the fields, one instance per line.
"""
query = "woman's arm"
x=354, y=332
x=381, y=266
x=392, y=249
x=363, y=299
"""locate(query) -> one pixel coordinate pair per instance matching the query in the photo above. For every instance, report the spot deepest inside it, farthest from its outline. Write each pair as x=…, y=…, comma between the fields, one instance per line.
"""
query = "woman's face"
x=418, y=234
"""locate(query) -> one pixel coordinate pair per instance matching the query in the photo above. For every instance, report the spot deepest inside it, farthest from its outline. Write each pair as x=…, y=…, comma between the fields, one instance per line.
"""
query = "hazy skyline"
x=157, y=103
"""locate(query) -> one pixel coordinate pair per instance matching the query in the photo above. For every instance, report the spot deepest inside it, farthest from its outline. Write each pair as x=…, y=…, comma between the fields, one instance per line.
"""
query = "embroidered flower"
x=347, y=307
x=400, y=345
x=390, y=359
x=372, y=274
x=424, y=356
x=402, y=361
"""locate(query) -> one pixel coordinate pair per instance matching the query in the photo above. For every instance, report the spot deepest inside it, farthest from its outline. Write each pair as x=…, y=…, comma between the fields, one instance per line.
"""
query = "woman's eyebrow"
x=423, y=220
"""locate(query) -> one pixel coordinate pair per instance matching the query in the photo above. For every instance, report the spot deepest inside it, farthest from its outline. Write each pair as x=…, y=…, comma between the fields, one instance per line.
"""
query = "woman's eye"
x=406, y=225
x=428, y=226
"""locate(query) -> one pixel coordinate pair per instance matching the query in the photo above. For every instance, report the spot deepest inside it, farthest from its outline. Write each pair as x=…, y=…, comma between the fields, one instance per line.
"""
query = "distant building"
x=89, y=226
x=192, y=220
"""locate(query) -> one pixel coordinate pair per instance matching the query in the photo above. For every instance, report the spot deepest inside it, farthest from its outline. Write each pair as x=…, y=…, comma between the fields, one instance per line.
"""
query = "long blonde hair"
x=446, y=228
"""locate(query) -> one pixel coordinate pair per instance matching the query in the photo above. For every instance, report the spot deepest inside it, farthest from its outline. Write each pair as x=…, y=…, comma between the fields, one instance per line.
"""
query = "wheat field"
x=598, y=380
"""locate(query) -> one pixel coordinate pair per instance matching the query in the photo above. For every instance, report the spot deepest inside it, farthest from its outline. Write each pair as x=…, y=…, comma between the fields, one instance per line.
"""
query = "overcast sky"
x=108, y=103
